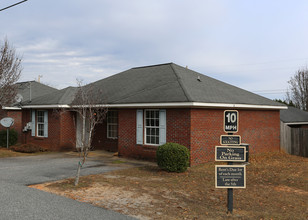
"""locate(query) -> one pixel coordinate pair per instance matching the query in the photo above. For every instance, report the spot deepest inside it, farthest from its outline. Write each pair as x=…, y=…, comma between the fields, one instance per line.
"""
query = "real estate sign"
x=230, y=176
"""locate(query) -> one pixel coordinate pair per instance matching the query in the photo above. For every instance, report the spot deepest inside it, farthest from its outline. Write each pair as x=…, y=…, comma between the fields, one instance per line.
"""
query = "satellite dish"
x=7, y=122
x=18, y=98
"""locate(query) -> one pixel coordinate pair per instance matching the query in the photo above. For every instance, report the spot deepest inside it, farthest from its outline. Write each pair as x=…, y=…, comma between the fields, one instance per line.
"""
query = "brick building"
x=26, y=91
x=149, y=106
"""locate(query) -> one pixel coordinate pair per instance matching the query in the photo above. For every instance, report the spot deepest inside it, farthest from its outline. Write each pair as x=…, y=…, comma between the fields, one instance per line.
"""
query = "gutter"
x=45, y=106
x=166, y=105
x=297, y=123
x=11, y=108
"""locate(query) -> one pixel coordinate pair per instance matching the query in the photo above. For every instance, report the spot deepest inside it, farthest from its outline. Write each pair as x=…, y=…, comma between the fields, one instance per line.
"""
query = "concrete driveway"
x=17, y=201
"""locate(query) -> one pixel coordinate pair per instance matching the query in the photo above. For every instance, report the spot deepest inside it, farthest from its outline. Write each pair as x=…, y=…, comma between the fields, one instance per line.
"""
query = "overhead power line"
x=12, y=5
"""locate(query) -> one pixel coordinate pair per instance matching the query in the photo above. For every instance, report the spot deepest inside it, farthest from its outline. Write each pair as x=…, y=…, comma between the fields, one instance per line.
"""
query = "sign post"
x=230, y=176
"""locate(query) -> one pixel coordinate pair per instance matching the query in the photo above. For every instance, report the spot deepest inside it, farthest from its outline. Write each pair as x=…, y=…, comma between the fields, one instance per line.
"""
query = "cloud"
x=253, y=45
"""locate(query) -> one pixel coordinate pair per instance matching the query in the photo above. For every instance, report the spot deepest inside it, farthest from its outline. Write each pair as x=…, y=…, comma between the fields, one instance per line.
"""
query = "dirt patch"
x=276, y=189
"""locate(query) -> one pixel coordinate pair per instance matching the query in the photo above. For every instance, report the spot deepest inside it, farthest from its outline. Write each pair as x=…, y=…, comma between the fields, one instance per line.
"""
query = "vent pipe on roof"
x=39, y=78
x=199, y=79
x=30, y=92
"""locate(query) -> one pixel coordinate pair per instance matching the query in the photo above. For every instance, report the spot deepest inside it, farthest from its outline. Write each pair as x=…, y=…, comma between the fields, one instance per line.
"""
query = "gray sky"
x=256, y=45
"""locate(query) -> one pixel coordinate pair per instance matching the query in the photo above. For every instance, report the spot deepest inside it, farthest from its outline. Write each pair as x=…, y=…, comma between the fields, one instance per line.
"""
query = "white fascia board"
x=45, y=106
x=192, y=104
x=297, y=123
x=11, y=108
x=168, y=105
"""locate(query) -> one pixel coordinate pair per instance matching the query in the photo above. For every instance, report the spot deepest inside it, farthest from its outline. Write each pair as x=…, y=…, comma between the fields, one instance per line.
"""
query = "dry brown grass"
x=9, y=153
x=276, y=189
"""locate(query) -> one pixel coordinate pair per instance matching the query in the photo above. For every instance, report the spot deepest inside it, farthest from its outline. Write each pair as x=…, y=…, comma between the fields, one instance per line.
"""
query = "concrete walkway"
x=17, y=201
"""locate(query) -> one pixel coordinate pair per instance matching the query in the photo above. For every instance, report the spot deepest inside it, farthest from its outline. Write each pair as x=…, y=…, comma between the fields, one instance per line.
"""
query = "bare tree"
x=298, y=85
x=10, y=71
x=90, y=114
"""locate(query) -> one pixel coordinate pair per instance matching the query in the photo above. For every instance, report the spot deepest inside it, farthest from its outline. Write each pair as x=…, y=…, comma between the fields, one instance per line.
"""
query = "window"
x=152, y=126
x=112, y=124
x=39, y=123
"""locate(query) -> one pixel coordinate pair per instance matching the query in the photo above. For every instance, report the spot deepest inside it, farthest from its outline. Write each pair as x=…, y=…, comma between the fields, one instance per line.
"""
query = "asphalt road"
x=17, y=201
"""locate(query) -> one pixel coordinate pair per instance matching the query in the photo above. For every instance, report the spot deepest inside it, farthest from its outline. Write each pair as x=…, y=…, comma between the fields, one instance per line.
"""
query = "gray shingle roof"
x=59, y=97
x=164, y=83
x=293, y=115
x=173, y=83
x=37, y=89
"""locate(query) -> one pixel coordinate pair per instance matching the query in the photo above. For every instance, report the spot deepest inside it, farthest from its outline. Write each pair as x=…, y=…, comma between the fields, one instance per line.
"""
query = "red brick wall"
x=68, y=130
x=197, y=129
x=52, y=142
x=260, y=129
x=61, y=131
x=178, y=131
x=179, y=126
x=206, y=128
x=127, y=135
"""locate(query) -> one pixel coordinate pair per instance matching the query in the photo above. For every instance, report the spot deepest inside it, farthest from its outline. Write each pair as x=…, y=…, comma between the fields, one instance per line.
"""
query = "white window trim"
x=145, y=127
x=117, y=124
x=37, y=123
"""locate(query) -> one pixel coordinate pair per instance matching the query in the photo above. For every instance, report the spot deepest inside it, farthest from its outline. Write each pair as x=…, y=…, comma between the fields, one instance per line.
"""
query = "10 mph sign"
x=231, y=121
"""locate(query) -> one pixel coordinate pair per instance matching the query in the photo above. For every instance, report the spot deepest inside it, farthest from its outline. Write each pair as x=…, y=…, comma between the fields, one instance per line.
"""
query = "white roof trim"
x=11, y=108
x=170, y=105
x=195, y=104
x=297, y=123
x=46, y=106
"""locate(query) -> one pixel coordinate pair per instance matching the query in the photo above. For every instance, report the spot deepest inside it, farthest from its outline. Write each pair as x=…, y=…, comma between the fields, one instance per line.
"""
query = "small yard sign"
x=230, y=121
x=230, y=153
x=230, y=139
x=230, y=176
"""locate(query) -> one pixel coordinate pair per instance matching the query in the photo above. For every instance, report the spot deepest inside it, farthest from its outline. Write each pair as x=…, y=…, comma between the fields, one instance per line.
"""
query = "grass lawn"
x=277, y=188
x=9, y=153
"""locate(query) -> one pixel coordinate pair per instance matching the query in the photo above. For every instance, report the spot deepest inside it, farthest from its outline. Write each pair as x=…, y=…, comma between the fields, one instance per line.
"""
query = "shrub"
x=27, y=148
x=13, y=137
x=173, y=157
